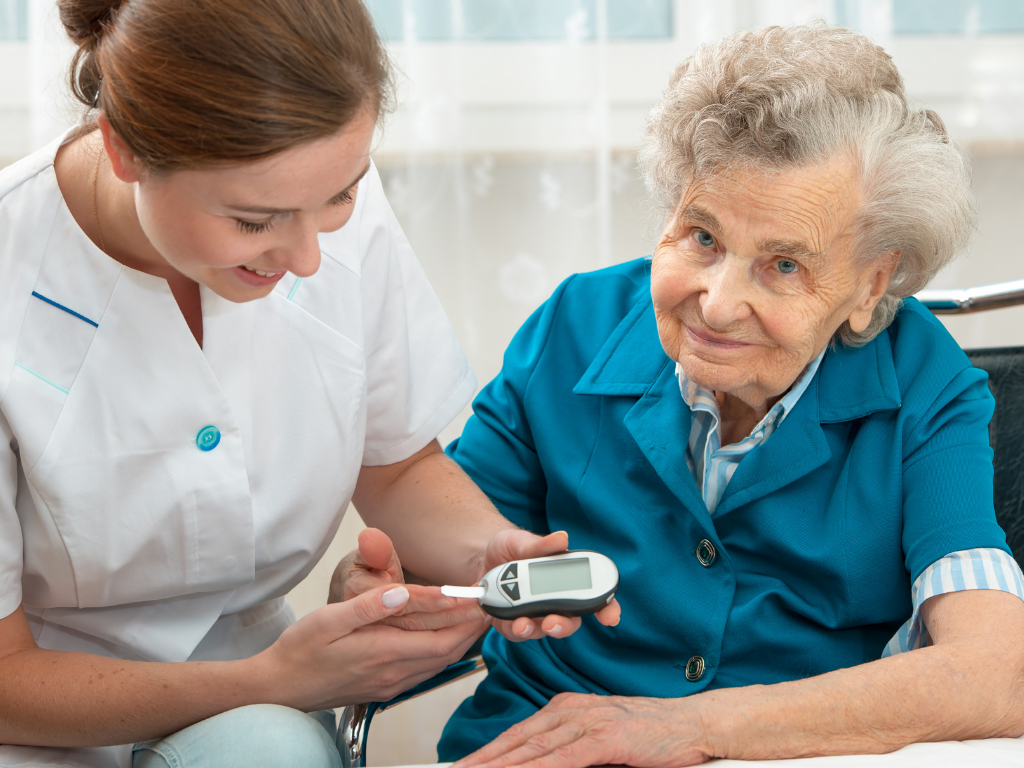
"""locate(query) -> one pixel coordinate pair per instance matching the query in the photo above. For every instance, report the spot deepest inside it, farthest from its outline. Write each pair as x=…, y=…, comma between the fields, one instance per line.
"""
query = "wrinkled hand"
x=374, y=564
x=576, y=730
x=518, y=545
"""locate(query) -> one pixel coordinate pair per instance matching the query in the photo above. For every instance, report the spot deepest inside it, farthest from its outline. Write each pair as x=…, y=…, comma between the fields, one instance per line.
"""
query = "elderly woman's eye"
x=704, y=238
x=786, y=266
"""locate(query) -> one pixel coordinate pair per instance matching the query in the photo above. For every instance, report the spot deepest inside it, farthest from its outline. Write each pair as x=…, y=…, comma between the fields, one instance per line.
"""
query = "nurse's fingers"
x=465, y=610
x=341, y=619
x=379, y=553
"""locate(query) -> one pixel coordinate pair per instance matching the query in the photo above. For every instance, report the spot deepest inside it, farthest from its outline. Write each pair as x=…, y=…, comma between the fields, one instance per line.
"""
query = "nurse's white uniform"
x=157, y=500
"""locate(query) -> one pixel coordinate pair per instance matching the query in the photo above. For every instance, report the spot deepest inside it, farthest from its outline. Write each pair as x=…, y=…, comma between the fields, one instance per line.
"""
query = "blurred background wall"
x=510, y=160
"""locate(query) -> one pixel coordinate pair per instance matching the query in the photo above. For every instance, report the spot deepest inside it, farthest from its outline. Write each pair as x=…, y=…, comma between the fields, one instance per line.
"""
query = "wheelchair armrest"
x=354, y=728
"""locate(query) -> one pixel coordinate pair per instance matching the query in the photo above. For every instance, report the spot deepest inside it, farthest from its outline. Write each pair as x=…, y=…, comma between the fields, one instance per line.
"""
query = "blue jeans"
x=247, y=737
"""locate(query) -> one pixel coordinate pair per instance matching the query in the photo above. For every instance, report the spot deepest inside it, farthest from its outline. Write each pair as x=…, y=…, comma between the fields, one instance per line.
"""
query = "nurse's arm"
x=339, y=654
x=445, y=530
x=438, y=519
x=968, y=685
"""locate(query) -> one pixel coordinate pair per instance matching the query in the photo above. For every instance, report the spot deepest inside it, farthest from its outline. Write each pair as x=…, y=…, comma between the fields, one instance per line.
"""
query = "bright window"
x=13, y=19
x=520, y=20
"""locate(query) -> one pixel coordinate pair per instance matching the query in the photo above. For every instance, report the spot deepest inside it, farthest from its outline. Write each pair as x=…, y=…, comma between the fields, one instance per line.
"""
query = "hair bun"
x=86, y=21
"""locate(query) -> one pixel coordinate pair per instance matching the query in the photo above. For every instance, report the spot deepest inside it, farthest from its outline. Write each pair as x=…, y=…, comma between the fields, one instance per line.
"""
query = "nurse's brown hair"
x=192, y=84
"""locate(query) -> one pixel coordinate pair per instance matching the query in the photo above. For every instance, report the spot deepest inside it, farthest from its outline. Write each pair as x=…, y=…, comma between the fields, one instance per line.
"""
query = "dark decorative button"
x=695, y=668
x=706, y=553
x=511, y=588
x=512, y=572
x=208, y=438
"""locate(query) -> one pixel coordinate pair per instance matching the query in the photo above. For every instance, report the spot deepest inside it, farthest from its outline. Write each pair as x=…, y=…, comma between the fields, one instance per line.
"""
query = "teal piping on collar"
x=42, y=378
x=295, y=287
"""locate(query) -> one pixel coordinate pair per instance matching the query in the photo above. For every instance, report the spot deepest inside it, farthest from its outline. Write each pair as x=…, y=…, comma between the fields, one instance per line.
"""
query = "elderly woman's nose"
x=724, y=298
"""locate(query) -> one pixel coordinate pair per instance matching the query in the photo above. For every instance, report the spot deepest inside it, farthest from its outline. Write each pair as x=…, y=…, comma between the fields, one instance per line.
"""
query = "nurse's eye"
x=704, y=239
x=786, y=266
x=253, y=227
x=343, y=199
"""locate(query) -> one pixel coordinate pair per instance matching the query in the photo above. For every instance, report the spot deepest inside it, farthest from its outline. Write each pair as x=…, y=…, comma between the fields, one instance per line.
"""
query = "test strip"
x=474, y=592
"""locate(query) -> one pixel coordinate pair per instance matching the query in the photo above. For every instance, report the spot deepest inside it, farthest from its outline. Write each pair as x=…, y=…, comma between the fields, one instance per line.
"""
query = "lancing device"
x=568, y=584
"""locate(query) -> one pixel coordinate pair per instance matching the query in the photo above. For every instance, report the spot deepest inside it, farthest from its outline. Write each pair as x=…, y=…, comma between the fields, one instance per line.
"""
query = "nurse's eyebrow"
x=265, y=210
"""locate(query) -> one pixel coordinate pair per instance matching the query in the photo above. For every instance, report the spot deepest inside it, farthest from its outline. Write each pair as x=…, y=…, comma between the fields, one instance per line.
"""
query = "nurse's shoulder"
x=29, y=199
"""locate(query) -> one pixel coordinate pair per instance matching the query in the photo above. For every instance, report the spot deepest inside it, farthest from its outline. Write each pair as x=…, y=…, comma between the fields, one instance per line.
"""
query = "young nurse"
x=213, y=336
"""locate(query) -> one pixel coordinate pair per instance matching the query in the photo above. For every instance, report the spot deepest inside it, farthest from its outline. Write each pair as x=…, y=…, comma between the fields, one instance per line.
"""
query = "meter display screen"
x=560, y=575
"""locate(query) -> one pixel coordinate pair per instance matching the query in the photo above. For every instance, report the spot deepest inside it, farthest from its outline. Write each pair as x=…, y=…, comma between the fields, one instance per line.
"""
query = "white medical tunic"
x=158, y=499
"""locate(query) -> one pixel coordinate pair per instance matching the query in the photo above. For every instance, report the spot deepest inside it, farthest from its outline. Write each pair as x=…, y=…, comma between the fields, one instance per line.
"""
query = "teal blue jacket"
x=882, y=468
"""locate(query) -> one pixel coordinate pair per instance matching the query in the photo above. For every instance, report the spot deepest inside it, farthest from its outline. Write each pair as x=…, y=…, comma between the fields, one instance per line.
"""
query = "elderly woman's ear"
x=876, y=284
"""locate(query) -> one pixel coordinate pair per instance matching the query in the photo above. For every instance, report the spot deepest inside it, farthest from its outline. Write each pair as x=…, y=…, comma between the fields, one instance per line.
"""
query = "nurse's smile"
x=257, y=278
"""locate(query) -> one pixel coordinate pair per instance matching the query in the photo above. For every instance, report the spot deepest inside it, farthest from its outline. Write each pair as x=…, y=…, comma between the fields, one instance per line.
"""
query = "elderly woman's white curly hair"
x=782, y=97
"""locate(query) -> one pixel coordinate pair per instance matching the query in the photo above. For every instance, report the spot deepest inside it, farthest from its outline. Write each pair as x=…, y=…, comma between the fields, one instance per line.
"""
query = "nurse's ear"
x=122, y=160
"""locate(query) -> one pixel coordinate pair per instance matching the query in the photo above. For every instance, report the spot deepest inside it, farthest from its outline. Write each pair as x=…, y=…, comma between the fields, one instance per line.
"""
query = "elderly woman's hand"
x=576, y=730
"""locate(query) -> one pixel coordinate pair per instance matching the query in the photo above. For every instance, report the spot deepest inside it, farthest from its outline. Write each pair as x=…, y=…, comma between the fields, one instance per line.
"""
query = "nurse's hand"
x=343, y=654
x=375, y=564
x=515, y=544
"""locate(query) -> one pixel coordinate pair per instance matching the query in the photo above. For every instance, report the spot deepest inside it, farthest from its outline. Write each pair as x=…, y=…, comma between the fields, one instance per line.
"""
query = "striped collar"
x=712, y=464
x=699, y=398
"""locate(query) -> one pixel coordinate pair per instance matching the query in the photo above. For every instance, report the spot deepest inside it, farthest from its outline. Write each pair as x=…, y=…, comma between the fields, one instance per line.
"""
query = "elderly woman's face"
x=755, y=273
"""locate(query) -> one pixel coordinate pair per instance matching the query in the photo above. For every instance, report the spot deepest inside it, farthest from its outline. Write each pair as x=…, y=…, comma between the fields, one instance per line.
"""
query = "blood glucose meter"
x=568, y=584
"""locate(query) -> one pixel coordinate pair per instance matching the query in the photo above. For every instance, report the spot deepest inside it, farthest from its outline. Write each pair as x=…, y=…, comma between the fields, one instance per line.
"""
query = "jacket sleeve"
x=947, y=475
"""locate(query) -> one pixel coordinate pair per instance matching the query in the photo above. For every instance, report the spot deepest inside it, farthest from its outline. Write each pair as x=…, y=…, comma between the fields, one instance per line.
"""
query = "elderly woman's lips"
x=710, y=341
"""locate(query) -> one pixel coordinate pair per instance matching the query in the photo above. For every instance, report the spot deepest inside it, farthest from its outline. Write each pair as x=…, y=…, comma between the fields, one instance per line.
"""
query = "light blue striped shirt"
x=713, y=466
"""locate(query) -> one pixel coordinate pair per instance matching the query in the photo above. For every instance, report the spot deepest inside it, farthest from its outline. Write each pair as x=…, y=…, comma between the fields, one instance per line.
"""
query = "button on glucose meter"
x=574, y=583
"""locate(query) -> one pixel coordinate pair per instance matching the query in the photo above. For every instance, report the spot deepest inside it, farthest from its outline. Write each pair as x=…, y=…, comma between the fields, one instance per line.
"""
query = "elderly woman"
x=786, y=456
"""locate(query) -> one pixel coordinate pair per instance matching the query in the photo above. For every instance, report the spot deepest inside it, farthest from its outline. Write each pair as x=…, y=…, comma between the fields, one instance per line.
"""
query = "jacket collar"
x=631, y=359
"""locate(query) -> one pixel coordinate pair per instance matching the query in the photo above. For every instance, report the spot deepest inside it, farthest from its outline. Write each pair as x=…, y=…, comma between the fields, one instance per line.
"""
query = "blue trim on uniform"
x=69, y=311
x=295, y=287
x=42, y=378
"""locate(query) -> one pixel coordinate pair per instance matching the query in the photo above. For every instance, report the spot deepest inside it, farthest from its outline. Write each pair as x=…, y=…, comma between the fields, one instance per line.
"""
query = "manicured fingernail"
x=555, y=630
x=395, y=597
x=525, y=632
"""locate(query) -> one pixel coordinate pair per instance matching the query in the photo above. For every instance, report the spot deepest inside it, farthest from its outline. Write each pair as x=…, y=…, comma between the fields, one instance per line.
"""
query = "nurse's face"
x=238, y=230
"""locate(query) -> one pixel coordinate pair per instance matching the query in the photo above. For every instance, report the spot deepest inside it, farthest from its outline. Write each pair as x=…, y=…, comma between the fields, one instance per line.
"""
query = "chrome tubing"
x=353, y=732
x=354, y=728
x=978, y=299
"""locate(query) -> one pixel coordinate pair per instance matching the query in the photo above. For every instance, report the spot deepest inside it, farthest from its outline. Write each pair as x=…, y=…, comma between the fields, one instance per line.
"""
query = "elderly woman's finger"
x=547, y=744
x=560, y=626
x=610, y=614
x=543, y=721
x=378, y=552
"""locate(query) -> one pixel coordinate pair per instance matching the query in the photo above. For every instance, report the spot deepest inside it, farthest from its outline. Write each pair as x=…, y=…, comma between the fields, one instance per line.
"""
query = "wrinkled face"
x=755, y=273
x=239, y=230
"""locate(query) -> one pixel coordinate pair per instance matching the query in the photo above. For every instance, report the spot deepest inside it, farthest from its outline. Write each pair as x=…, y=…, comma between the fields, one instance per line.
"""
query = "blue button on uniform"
x=208, y=438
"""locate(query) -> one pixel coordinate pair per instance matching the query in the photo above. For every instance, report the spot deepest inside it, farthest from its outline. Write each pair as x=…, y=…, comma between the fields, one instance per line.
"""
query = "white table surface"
x=985, y=753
